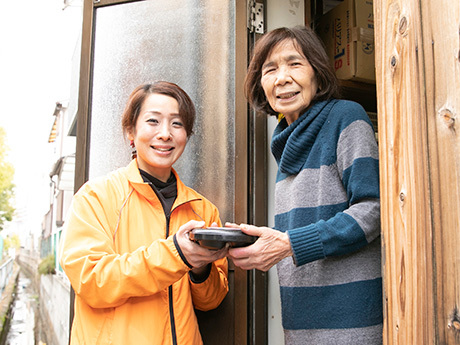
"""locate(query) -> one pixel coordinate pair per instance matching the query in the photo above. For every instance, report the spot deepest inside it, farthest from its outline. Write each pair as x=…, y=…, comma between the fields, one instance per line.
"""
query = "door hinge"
x=255, y=17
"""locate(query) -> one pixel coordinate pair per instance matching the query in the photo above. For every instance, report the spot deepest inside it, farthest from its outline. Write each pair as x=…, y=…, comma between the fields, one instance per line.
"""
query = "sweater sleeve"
x=358, y=222
x=101, y=276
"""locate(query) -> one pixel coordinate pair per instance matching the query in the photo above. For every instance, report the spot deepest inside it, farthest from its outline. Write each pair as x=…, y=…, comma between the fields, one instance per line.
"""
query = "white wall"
x=54, y=299
x=279, y=13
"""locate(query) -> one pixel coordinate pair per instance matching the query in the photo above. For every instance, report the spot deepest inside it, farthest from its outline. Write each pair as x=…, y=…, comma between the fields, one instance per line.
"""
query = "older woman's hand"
x=196, y=255
x=271, y=247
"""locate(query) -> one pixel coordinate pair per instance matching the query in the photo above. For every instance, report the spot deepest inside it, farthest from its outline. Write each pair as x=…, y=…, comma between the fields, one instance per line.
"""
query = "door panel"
x=202, y=46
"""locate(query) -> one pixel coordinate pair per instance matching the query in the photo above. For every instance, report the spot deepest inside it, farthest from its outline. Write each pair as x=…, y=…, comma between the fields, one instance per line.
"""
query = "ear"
x=130, y=135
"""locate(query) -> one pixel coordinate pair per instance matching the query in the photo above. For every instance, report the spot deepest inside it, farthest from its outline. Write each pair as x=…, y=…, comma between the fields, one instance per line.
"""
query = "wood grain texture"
x=418, y=88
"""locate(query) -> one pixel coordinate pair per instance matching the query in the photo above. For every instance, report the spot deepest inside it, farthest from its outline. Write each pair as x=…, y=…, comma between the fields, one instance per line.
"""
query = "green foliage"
x=6, y=183
x=47, y=265
x=12, y=241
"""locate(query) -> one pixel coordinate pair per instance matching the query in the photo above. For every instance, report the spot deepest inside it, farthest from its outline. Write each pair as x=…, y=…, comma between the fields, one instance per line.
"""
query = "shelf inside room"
x=362, y=93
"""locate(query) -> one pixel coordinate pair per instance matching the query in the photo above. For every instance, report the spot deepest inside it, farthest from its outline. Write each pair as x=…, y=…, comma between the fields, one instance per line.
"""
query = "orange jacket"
x=131, y=285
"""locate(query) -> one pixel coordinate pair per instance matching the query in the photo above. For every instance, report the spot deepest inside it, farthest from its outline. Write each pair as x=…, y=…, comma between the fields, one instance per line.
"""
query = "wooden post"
x=418, y=96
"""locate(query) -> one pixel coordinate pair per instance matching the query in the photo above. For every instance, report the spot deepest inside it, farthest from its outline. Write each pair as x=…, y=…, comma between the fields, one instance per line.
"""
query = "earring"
x=134, y=151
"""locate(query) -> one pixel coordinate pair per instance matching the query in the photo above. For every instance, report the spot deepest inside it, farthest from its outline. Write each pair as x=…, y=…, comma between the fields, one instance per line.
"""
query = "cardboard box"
x=348, y=34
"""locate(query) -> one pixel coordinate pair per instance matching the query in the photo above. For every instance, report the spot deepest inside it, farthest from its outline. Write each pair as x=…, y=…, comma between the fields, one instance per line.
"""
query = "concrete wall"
x=55, y=307
x=29, y=260
x=54, y=299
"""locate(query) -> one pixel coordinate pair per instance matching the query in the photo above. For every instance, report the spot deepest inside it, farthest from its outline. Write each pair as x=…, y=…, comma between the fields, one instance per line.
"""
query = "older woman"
x=137, y=277
x=327, y=209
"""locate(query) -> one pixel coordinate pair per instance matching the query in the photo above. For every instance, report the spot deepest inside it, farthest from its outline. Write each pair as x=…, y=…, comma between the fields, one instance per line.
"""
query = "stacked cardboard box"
x=348, y=35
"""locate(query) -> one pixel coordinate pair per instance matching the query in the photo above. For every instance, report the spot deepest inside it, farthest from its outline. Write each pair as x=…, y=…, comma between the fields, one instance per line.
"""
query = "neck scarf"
x=292, y=143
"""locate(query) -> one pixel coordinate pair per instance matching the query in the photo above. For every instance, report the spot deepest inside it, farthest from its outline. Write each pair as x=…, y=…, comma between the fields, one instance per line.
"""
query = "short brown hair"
x=304, y=39
x=140, y=93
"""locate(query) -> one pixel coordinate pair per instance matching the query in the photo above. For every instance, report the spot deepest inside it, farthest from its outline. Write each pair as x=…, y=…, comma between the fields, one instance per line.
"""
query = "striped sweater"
x=327, y=200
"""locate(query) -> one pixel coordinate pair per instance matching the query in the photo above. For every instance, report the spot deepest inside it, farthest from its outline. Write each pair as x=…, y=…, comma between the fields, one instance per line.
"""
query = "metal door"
x=202, y=46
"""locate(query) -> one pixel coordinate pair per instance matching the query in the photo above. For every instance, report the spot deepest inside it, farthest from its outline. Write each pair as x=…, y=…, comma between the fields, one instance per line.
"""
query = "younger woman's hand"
x=196, y=255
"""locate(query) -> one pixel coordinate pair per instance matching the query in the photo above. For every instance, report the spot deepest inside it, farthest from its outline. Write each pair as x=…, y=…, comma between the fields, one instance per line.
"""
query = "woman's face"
x=288, y=80
x=159, y=135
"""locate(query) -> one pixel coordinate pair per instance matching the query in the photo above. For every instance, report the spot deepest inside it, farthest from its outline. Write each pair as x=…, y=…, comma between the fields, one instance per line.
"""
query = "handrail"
x=5, y=273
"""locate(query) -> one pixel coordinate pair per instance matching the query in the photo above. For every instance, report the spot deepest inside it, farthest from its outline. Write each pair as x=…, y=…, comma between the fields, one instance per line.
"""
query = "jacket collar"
x=134, y=177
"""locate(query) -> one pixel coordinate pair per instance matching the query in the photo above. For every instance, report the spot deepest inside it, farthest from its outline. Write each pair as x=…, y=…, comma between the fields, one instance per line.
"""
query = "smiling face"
x=159, y=135
x=288, y=80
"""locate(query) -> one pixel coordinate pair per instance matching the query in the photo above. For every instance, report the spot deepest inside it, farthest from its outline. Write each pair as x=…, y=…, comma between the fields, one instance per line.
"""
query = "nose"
x=164, y=132
x=283, y=76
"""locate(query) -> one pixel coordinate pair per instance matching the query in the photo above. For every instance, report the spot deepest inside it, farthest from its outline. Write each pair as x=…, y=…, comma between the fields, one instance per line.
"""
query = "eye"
x=268, y=70
x=152, y=120
x=178, y=124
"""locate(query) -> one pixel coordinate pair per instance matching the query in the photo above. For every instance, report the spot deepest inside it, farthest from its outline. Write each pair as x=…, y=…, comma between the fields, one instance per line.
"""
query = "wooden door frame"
x=418, y=83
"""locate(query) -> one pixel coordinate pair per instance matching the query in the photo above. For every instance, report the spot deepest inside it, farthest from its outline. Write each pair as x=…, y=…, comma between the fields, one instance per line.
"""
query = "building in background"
x=62, y=140
x=55, y=288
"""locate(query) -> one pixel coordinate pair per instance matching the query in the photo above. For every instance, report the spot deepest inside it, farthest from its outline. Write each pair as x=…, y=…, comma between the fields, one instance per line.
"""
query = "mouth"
x=287, y=95
x=162, y=149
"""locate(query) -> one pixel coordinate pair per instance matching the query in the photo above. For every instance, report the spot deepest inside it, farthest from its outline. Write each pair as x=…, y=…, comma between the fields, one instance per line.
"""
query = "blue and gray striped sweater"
x=327, y=199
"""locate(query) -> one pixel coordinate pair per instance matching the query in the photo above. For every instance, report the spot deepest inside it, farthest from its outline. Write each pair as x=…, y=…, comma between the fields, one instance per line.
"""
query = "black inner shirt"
x=166, y=191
